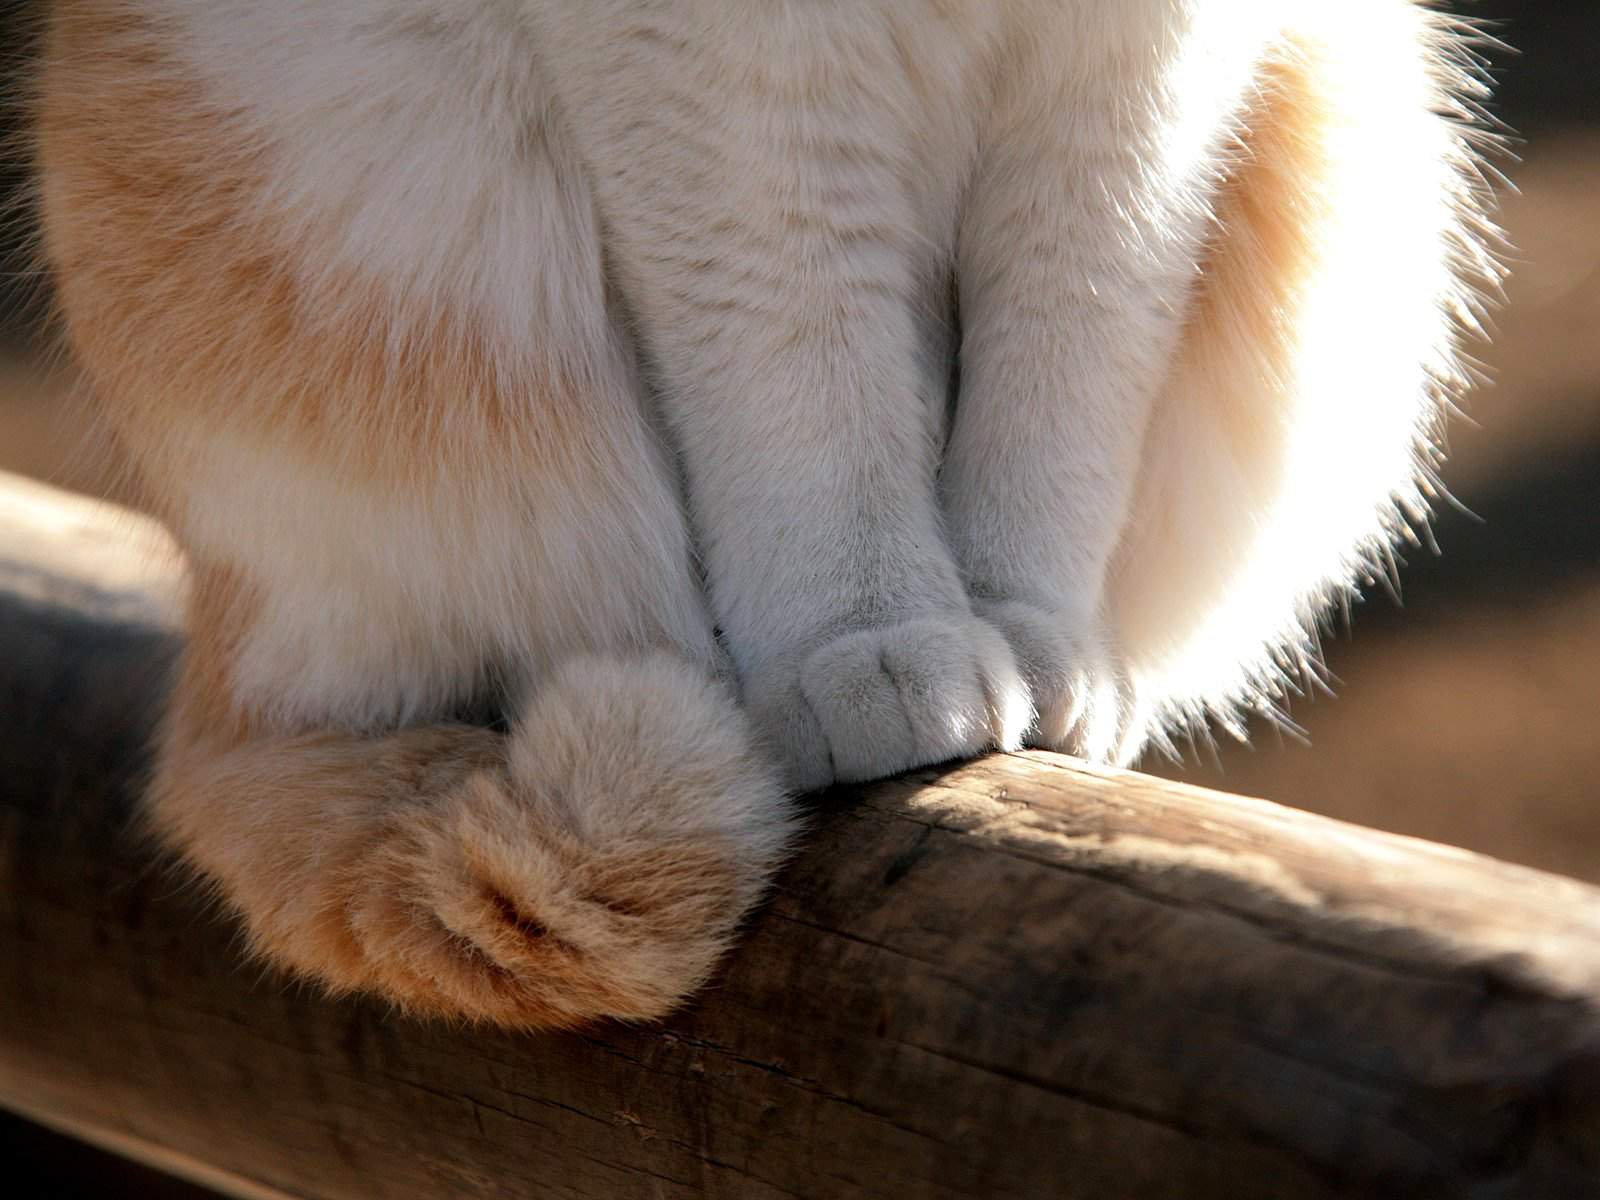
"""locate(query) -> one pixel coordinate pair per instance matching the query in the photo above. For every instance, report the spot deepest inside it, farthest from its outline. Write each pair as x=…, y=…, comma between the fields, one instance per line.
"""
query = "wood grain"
x=1019, y=977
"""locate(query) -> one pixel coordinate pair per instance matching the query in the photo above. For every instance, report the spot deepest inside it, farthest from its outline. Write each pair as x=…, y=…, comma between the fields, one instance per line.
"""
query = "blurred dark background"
x=1465, y=715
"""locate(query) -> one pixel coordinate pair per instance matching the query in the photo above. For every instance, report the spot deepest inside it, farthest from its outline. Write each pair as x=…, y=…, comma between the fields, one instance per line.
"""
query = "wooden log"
x=1021, y=977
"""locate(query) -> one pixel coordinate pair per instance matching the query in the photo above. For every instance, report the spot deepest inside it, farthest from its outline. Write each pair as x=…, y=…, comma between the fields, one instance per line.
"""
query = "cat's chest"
x=862, y=112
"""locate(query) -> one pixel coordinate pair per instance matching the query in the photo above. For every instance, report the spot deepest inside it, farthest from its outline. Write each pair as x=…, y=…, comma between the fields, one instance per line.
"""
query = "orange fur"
x=428, y=867
x=221, y=607
x=1235, y=342
x=198, y=318
x=594, y=862
x=1294, y=415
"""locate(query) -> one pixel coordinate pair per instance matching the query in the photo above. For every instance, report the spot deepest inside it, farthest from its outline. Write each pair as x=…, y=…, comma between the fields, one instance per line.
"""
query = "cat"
x=753, y=395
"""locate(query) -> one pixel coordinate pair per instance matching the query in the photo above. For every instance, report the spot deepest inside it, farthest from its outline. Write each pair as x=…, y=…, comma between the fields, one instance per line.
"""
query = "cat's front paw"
x=1083, y=700
x=874, y=702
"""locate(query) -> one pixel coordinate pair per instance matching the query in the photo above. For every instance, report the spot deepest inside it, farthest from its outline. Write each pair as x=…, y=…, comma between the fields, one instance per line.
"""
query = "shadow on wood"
x=1016, y=978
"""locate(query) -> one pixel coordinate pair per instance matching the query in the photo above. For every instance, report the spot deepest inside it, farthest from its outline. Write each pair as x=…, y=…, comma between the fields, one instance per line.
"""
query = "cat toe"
x=875, y=702
x=1083, y=700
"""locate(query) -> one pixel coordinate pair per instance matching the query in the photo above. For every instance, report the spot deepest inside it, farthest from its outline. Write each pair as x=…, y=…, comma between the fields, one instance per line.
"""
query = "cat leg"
x=389, y=415
x=1218, y=419
x=778, y=283
x=594, y=862
x=1077, y=252
x=811, y=472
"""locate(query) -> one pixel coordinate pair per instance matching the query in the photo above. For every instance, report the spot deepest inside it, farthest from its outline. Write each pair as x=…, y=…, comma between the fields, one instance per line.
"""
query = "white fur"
x=389, y=604
x=1258, y=553
x=522, y=345
x=781, y=196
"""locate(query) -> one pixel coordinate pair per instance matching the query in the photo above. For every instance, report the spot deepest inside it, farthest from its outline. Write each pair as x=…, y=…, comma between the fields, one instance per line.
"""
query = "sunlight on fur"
x=740, y=404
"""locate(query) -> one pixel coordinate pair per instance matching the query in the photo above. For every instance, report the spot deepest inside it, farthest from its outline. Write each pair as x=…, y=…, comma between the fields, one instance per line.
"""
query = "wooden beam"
x=1020, y=977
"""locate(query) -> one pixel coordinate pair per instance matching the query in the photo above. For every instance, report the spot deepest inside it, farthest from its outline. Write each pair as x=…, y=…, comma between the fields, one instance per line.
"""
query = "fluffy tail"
x=1295, y=440
x=595, y=863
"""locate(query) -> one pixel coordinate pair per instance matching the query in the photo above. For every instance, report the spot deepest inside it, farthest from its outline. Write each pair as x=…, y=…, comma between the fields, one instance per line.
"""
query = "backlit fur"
x=752, y=395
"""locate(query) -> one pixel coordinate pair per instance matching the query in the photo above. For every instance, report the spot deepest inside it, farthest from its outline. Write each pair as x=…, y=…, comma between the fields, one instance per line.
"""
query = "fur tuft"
x=595, y=863
x=1297, y=440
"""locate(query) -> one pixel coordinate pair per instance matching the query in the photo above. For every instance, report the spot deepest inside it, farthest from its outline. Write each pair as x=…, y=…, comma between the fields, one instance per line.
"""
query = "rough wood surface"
x=1015, y=978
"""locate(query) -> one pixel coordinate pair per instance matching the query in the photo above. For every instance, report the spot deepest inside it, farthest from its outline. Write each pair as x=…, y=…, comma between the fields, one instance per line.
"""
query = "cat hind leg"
x=593, y=863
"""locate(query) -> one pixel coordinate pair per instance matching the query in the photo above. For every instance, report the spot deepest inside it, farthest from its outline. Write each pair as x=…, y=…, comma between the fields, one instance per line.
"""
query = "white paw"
x=1083, y=700
x=875, y=702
